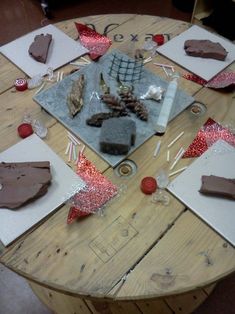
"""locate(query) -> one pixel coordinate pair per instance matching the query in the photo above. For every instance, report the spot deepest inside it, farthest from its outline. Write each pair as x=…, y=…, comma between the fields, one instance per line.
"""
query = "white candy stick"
x=67, y=149
x=58, y=76
x=164, y=65
x=70, y=151
x=84, y=59
x=177, y=171
x=83, y=148
x=178, y=158
x=168, y=156
x=74, y=153
x=40, y=88
x=179, y=151
x=175, y=139
x=157, y=149
x=61, y=75
x=165, y=71
x=71, y=136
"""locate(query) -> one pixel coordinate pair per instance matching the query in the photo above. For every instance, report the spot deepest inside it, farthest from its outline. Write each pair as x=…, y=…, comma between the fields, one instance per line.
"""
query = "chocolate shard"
x=218, y=186
x=23, y=182
x=205, y=49
x=117, y=136
x=40, y=47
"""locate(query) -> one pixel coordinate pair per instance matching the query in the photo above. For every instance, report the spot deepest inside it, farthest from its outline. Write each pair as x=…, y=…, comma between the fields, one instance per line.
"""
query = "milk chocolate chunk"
x=39, y=48
x=23, y=182
x=205, y=49
x=218, y=186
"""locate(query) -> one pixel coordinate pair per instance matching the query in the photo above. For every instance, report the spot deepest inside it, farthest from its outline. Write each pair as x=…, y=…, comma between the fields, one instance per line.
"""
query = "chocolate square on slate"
x=117, y=136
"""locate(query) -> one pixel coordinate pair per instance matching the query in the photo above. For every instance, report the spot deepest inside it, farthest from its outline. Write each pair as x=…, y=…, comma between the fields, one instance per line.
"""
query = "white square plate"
x=13, y=223
x=203, y=67
x=62, y=50
x=219, y=213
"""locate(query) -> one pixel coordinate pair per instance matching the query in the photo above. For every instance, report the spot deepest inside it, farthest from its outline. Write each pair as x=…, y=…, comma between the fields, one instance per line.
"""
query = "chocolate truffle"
x=205, y=49
x=39, y=48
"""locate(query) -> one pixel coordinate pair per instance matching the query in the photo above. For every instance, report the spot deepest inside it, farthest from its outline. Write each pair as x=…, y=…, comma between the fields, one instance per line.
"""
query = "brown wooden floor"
x=19, y=17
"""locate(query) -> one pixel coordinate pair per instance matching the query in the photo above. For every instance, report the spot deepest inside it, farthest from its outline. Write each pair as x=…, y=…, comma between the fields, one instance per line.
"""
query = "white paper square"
x=62, y=50
x=13, y=223
x=219, y=213
x=204, y=67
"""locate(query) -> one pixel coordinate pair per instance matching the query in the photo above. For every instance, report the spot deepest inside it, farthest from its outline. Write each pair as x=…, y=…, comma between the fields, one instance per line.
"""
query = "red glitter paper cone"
x=96, y=43
x=208, y=134
x=99, y=190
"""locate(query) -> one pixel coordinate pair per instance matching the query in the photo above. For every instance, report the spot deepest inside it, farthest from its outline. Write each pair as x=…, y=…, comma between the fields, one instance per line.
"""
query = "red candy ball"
x=25, y=130
x=148, y=185
x=21, y=84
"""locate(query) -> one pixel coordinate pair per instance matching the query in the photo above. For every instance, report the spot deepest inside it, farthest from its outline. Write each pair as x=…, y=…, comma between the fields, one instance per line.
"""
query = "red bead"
x=159, y=39
x=148, y=185
x=21, y=84
x=25, y=130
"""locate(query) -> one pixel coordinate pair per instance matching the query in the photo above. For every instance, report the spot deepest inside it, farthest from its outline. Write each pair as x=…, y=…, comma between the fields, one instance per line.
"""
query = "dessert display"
x=218, y=186
x=75, y=97
x=205, y=49
x=23, y=182
x=117, y=135
x=40, y=47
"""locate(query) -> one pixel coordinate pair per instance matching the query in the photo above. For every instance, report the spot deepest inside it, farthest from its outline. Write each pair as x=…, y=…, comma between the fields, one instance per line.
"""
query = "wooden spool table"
x=167, y=260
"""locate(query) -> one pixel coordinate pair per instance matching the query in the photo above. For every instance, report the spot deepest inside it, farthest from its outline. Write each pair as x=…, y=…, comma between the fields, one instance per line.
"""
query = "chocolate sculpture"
x=75, y=97
x=40, y=47
x=205, y=49
x=23, y=182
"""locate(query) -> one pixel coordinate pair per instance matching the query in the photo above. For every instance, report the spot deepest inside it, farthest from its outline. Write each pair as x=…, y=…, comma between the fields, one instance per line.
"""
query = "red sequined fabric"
x=96, y=43
x=208, y=134
x=98, y=191
x=222, y=80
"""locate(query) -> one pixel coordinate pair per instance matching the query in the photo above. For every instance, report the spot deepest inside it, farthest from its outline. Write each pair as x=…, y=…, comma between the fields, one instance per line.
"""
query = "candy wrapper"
x=98, y=191
x=222, y=80
x=208, y=134
x=96, y=43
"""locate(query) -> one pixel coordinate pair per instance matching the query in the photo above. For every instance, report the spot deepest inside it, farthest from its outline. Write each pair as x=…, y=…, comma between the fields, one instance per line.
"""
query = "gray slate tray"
x=53, y=100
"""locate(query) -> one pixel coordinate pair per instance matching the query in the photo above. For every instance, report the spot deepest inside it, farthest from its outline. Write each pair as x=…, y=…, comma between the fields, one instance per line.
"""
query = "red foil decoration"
x=208, y=134
x=96, y=43
x=98, y=191
x=222, y=80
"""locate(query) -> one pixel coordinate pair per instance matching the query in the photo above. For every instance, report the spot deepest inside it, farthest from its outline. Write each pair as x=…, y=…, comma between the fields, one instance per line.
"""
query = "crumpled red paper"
x=96, y=43
x=222, y=80
x=99, y=190
x=208, y=134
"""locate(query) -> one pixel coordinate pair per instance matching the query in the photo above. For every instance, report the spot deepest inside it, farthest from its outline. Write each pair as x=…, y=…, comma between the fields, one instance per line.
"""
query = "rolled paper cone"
x=157, y=149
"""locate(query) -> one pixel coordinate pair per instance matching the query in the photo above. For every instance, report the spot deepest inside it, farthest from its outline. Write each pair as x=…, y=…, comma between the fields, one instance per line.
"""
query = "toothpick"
x=177, y=159
x=175, y=139
x=157, y=149
x=177, y=171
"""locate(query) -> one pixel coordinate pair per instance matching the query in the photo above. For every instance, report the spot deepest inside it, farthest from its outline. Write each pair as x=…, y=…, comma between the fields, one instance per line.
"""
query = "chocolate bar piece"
x=117, y=136
x=23, y=182
x=218, y=186
x=205, y=49
x=39, y=48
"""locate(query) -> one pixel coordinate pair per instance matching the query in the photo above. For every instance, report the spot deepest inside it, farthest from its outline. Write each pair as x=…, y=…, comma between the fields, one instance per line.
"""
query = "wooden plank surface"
x=138, y=249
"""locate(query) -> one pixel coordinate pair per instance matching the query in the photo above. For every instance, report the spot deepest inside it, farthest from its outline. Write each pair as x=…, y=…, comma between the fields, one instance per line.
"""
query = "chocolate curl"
x=96, y=43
